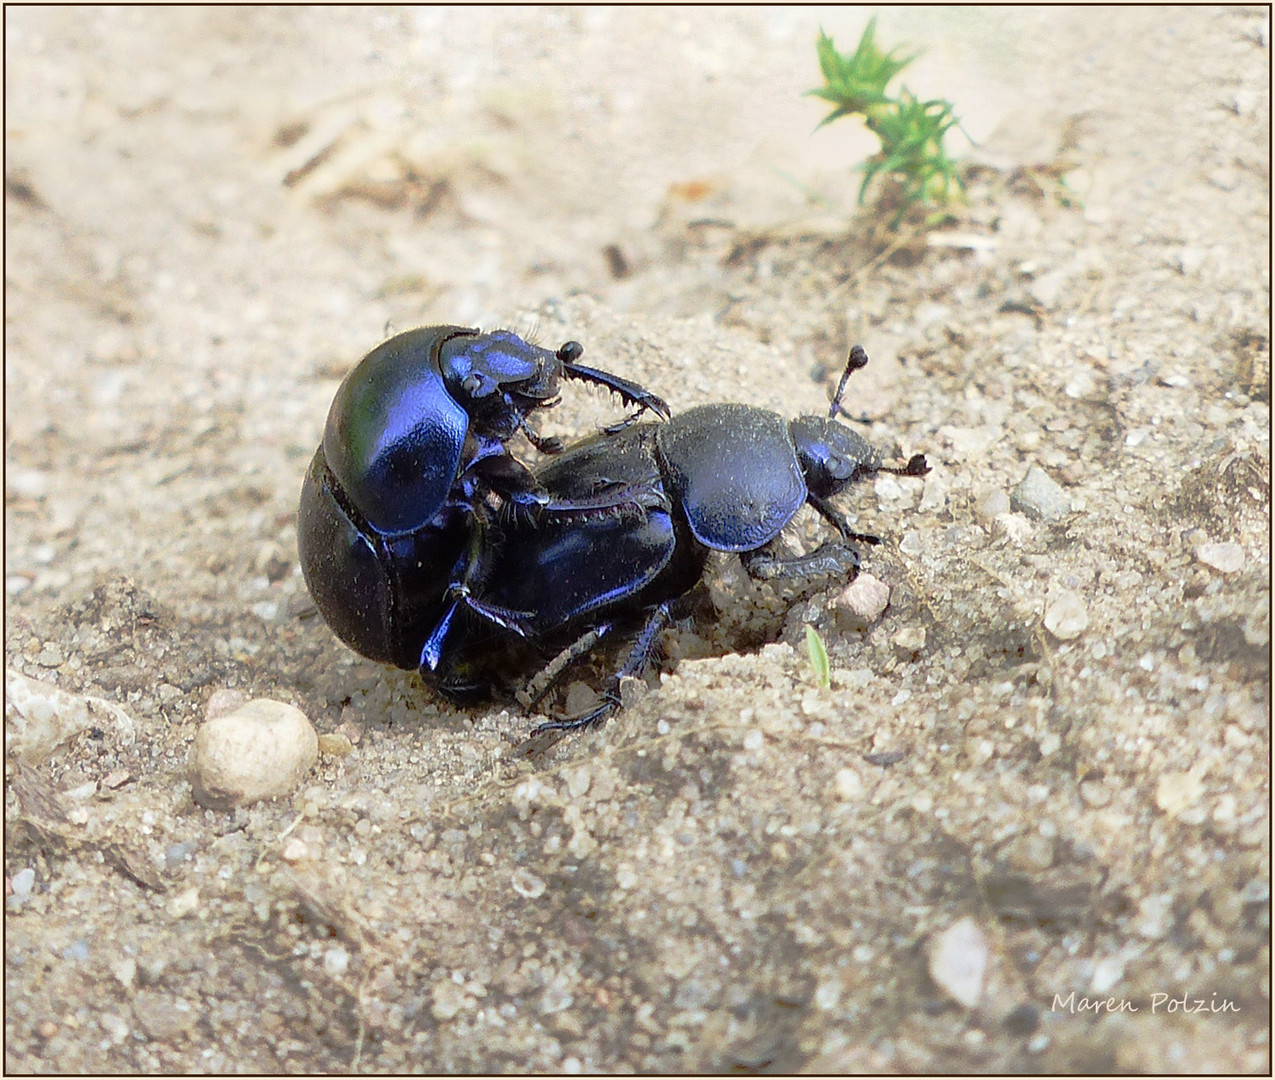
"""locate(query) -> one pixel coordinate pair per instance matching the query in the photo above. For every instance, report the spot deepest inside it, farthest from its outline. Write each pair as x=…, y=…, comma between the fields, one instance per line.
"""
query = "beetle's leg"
x=506, y=476
x=631, y=393
x=547, y=444
x=467, y=569
x=833, y=517
x=615, y=495
x=827, y=560
x=540, y=685
x=639, y=657
x=633, y=499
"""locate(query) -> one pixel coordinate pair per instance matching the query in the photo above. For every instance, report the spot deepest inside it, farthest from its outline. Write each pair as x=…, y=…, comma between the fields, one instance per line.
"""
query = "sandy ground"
x=1051, y=752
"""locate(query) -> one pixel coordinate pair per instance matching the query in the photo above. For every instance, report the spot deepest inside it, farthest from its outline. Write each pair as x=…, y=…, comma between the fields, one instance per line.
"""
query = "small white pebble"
x=294, y=850
x=1049, y=743
x=1013, y=526
x=1177, y=791
x=27, y=483
x=754, y=740
x=827, y=994
x=39, y=717
x=849, y=785
x=526, y=883
x=1155, y=916
x=1067, y=617
x=262, y=750
x=184, y=903
x=912, y=542
x=1224, y=811
x=555, y=999
x=1226, y=557
x=336, y=961
x=449, y=999
x=934, y=495
x=1106, y=973
x=888, y=490
x=910, y=639
x=578, y=781
x=23, y=882
x=958, y=958
x=861, y=602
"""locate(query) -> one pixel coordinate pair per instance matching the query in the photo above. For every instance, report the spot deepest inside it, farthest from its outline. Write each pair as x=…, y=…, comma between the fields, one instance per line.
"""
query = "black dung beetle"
x=413, y=448
x=722, y=477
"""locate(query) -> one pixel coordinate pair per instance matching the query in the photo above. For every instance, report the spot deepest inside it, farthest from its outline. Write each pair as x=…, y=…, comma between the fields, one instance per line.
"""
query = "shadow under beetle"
x=724, y=477
x=413, y=451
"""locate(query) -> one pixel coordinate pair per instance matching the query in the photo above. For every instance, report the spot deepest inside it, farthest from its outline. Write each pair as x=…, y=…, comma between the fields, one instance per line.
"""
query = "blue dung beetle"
x=413, y=449
x=724, y=477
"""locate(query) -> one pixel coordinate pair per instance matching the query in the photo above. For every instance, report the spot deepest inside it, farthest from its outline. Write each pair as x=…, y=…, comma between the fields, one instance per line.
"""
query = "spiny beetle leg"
x=830, y=514
x=631, y=393
x=826, y=560
x=530, y=694
x=638, y=660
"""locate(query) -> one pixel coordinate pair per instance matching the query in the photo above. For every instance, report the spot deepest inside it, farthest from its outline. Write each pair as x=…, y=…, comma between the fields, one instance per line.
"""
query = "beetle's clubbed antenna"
x=857, y=359
x=916, y=466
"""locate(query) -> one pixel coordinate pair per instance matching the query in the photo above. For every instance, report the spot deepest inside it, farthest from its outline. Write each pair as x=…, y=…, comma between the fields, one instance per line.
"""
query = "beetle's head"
x=498, y=372
x=832, y=456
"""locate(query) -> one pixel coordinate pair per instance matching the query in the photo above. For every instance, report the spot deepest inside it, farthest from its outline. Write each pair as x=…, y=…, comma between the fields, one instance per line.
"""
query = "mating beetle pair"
x=618, y=530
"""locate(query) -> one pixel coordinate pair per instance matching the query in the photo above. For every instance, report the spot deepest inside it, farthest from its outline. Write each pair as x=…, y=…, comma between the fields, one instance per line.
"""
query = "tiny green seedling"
x=911, y=131
x=818, y=658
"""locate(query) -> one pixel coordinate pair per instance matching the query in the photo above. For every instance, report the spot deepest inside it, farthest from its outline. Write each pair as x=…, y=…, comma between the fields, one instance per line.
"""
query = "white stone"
x=1178, y=791
x=1226, y=557
x=1106, y=973
x=911, y=639
x=1155, y=916
x=861, y=602
x=958, y=961
x=261, y=750
x=38, y=717
x=336, y=961
x=1067, y=617
x=527, y=884
x=849, y=785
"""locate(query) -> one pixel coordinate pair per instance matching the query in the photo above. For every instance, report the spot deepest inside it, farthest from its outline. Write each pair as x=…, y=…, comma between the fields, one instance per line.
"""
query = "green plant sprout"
x=818, y=658
x=911, y=131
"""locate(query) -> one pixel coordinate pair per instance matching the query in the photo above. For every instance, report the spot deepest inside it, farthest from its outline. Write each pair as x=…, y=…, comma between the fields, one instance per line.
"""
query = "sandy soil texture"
x=1025, y=828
